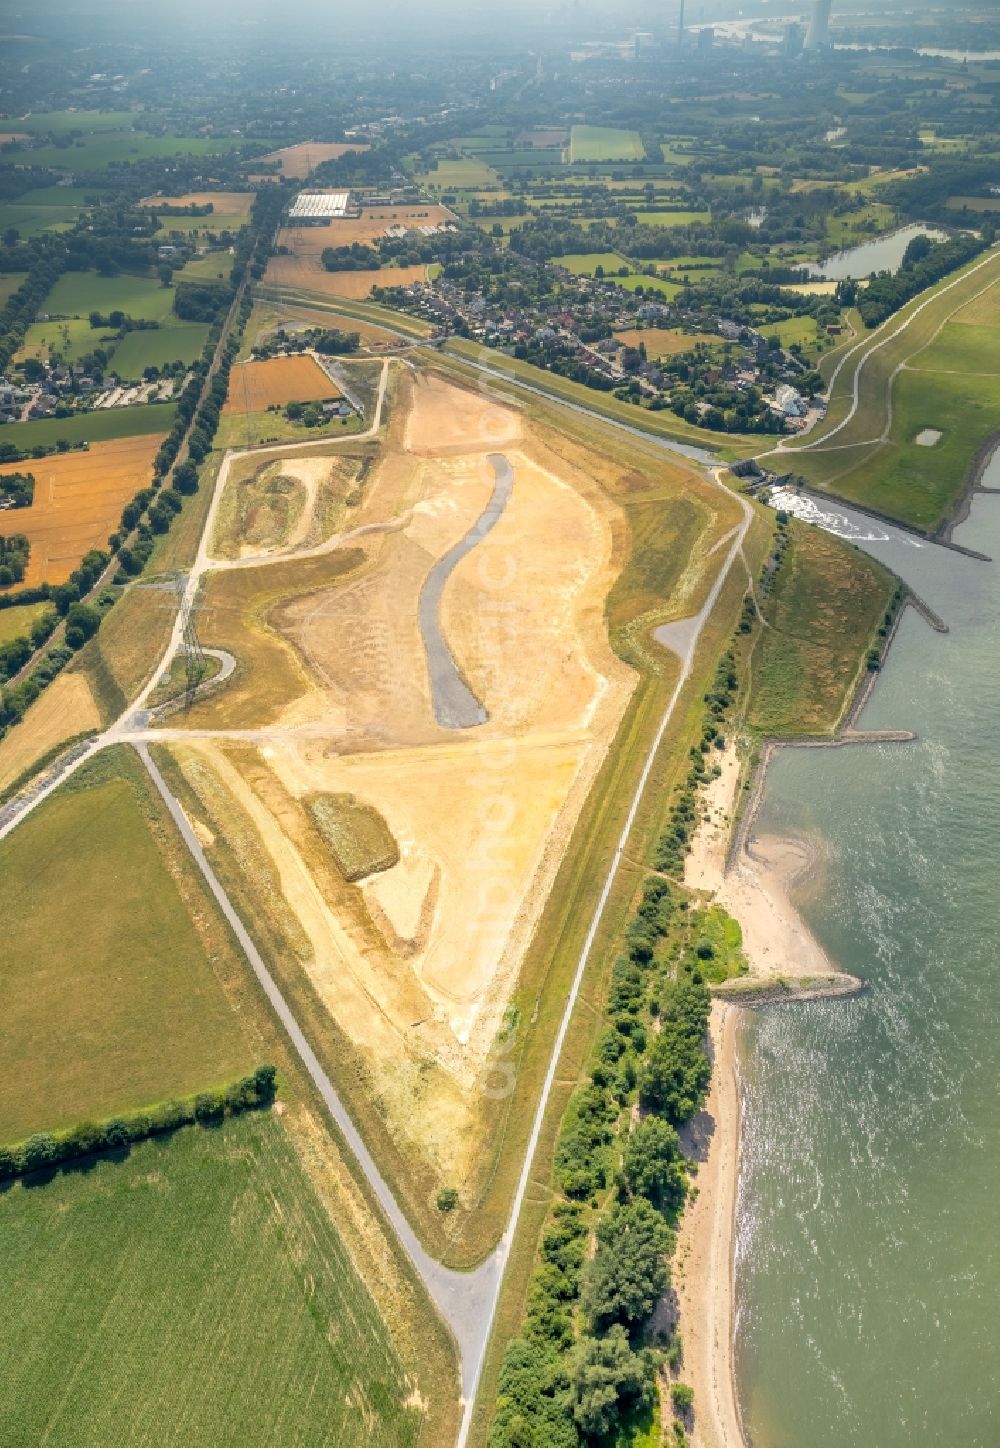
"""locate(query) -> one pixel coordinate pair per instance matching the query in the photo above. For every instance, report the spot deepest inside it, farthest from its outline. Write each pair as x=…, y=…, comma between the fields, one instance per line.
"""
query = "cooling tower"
x=819, y=27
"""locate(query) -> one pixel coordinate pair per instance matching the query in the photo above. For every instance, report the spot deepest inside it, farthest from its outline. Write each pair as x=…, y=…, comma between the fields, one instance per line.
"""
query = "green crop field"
x=196, y=1293
x=71, y=337
x=102, y=426
x=110, y=986
x=41, y=123
x=586, y=263
x=464, y=172
x=30, y=220
x=670, y=219
x=214, y=267
x=18, y=620
x=648, y=284
x=91, y=153
x=604, y=143
x=139, y=350
x=77, y=294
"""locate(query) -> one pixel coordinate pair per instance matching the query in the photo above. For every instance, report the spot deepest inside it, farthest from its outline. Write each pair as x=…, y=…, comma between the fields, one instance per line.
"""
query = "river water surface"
x=868, y=1265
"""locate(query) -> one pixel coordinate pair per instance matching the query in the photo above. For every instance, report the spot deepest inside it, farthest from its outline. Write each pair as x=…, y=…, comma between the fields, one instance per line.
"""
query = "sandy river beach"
x=778, y=945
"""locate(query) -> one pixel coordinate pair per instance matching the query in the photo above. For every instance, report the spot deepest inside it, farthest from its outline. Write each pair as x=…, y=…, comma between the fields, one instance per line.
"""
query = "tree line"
x=46, y=1150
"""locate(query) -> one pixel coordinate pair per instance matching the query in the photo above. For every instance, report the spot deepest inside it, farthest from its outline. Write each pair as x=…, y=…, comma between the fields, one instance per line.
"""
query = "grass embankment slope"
x=935, y=365
x=195, y=1293
x=121, y=988
x=823, y=608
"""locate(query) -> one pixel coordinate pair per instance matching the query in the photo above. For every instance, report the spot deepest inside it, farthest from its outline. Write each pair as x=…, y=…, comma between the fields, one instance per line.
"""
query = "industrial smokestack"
x=680, y=26
x=819, y=27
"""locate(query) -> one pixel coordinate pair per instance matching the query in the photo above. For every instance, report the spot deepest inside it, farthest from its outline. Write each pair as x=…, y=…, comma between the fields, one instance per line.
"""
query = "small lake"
x=882, y=253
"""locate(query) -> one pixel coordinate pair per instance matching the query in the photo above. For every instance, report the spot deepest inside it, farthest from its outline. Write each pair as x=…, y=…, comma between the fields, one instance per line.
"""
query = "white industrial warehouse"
x=326, y=204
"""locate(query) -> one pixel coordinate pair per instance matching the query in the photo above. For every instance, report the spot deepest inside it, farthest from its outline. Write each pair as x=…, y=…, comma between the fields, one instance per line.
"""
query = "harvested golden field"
x=256, y=386
x=78, y=501
x=666, y=341
x=66, y=708
x=228, y=203
x=300, y=161
x=304, y=272
x=369, y=228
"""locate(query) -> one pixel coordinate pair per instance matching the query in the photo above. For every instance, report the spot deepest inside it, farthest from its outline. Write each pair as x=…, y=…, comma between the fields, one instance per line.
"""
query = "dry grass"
x=667, y=341
x=66, y=708
x=224, y=203
x=359, y=839
x=256, y=386
x=301, y=160
x=78, y=501
x=303, y=271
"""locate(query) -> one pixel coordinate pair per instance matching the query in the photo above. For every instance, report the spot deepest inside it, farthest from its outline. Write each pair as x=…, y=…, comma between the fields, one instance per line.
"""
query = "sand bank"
x=786, y=961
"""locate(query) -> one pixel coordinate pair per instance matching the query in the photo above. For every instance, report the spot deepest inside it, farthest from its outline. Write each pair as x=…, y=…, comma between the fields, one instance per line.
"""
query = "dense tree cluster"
x=924, y=263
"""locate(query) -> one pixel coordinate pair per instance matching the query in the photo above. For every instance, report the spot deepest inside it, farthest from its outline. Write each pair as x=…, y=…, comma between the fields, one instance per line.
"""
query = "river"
x=868, y=1268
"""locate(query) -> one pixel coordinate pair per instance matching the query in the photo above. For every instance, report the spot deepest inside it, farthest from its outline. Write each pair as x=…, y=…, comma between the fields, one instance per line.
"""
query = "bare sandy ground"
x=703, y=1274
x=777, y=942
x=416, y=964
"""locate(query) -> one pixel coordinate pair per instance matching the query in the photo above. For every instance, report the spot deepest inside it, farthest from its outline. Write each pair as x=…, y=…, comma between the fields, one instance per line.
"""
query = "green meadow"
x=195, y=1294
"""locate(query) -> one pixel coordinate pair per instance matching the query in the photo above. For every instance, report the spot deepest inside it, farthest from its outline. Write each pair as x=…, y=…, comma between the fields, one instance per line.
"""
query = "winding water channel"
x=455, y=705
x=868, y=1264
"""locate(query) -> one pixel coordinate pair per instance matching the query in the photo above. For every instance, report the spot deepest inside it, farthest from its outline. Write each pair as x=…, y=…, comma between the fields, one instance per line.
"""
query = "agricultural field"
x=368, y=228
x=18, y=620
x=215, y=266
x=78, y=500
x=146, y=1023
x=604, y=143
x=298, y=162
x=256, y=386
x=823, y=610
x=459, y=173
x=105, y=425
x=139, y=350
x=68, y=331
x=586, y=264
x=938, y=360
x=44, y=208
x=231, y=210
x=667, y=341
x=91, y=154
x=77, y=294
x=117, y=1276
x=303, y=271
x=63, y=711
